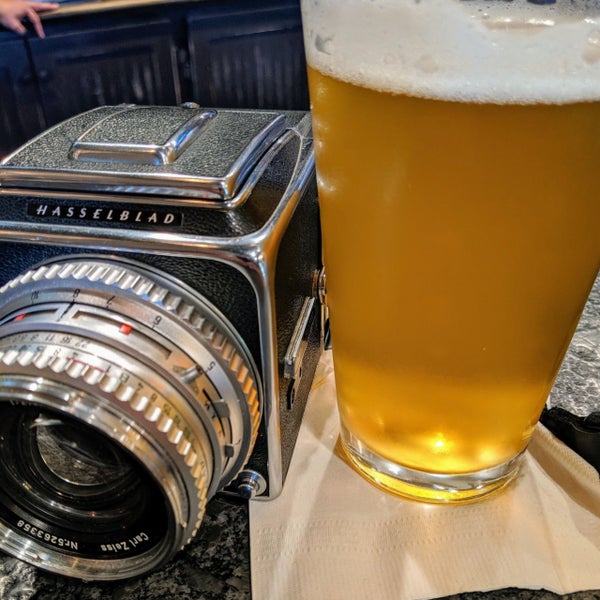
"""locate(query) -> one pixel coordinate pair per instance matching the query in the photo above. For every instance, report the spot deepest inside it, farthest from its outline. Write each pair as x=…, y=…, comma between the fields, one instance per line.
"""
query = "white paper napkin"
x=332, y=535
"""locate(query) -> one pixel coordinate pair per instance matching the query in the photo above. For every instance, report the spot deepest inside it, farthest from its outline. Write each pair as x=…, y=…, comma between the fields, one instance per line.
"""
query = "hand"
x=12, y=12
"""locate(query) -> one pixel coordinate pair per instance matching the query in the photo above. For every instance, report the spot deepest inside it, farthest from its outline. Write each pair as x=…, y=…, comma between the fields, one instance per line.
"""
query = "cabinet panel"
x=21, y=116
x=249, y=58
x=81, y=70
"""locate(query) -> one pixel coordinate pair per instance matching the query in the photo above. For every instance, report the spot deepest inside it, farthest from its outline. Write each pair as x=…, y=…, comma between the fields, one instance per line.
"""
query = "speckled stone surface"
x=216, y=566
x=577, y=387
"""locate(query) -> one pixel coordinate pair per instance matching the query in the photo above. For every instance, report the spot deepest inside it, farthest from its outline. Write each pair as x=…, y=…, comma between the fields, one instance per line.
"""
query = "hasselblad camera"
x=160, y=326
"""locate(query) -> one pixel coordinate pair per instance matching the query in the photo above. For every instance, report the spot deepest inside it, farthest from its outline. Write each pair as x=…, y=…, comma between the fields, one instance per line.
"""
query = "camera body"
x=161, y=276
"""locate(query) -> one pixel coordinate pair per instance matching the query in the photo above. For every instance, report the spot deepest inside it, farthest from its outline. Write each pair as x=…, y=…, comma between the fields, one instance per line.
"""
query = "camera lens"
x=65, y=484
x=126, y=402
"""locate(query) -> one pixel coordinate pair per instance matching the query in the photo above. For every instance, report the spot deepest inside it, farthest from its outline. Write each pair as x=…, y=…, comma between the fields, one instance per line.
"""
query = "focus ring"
x=128, y=279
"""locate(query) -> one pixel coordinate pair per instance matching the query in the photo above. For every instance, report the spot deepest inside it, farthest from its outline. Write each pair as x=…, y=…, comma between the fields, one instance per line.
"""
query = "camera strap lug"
x=249, y=484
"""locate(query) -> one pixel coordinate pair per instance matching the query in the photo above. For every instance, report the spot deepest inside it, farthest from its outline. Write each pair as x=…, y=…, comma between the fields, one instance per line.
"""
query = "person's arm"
x=12, y=13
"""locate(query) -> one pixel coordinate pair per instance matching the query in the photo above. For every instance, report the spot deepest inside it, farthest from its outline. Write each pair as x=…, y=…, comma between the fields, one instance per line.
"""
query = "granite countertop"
x=216, y=565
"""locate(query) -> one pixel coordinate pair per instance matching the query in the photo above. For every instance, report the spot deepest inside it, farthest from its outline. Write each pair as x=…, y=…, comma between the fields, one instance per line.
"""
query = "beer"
x=461, y=234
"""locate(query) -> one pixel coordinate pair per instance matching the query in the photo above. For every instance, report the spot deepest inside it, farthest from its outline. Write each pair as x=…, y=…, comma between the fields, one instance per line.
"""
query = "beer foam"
x=466, y=50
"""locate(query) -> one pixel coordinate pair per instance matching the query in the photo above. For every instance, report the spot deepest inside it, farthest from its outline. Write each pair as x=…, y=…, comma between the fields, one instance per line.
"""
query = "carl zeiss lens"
x=126, y=402
x=59, y=477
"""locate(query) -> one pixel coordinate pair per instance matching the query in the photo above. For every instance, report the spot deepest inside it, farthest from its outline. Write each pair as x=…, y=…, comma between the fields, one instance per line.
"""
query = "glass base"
x=424, y=486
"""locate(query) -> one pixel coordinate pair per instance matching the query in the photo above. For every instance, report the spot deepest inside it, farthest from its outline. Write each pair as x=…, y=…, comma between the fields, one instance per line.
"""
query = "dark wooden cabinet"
x=83, y=64
x=84, y=69
x=248, y=57
x=219, y=53
x=21, y=115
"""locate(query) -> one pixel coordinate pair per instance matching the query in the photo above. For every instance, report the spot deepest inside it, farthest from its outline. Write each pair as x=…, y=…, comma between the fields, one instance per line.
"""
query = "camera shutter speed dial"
x=151, y=367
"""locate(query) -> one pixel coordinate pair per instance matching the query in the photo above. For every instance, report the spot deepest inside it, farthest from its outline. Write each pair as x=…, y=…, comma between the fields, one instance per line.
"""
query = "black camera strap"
x=581, y=434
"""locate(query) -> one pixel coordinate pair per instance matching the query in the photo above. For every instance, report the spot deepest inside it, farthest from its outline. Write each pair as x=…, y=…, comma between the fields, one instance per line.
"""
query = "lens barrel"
x=127, y=401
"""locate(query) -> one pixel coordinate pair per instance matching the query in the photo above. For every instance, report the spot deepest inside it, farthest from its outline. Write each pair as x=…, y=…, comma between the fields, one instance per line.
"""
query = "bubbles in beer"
x=522, y=51
x=592, y=52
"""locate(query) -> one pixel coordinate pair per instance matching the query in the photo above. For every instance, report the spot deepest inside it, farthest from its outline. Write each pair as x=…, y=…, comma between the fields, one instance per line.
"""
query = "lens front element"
x=126, y=402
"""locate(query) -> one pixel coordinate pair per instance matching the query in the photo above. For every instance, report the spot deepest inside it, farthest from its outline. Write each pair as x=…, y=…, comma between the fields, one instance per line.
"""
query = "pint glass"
x=457, y=150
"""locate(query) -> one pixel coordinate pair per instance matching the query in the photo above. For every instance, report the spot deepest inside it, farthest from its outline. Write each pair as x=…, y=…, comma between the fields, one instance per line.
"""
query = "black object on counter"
x=582, y=434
